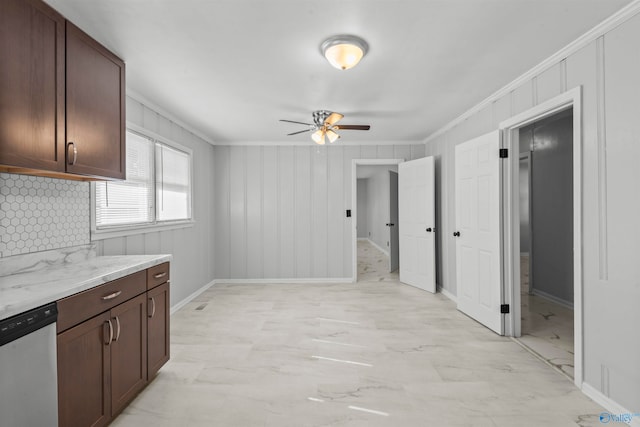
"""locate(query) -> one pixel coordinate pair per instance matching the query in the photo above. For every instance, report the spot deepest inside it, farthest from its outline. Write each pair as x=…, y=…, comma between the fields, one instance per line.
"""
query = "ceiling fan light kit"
x=325, y=126
x=344, y=51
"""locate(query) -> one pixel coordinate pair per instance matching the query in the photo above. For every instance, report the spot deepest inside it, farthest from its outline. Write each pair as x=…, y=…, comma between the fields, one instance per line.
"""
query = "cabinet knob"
x=72, y=153
x=456, y=234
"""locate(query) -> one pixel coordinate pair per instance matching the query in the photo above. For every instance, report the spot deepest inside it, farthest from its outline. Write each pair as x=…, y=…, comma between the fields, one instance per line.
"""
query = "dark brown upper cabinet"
x=32, y=79
x=62, y=97
x=95, y=108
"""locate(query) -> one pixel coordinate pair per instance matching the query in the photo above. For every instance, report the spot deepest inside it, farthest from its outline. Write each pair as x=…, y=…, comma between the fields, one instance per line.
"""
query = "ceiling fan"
x=324, y=126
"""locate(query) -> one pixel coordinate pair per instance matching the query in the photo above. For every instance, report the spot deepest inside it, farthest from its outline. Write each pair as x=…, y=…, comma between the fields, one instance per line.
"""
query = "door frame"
x=509, y=130
x=354, y=205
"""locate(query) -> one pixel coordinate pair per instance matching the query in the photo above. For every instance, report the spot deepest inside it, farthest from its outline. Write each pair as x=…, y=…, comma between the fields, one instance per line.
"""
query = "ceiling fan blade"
x=300, y=131
x=292, y=121
x=353, y=127
x=333, y=119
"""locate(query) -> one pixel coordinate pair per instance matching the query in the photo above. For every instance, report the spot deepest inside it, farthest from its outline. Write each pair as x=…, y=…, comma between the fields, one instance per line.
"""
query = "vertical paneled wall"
x=280, y=211
x=192, y=248
x=607, y=70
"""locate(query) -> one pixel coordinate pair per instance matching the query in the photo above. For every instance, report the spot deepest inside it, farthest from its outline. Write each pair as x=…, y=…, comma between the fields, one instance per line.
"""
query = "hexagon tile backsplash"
x=38, y=214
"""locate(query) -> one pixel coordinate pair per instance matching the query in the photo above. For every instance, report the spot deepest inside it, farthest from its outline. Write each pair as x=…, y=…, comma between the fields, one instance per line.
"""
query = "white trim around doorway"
x=354, y=205
x=510, y=211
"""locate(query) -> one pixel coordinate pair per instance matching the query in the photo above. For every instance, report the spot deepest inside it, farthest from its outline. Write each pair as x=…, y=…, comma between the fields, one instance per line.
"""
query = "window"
x=157, y=191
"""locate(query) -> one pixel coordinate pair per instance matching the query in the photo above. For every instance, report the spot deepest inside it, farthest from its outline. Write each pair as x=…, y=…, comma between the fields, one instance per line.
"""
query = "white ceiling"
x=231, y=68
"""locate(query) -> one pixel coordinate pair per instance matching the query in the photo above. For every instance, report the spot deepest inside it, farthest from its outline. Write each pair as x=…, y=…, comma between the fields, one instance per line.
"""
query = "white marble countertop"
x=29, y=289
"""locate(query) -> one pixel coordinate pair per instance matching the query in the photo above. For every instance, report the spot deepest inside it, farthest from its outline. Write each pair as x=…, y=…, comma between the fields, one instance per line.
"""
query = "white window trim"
x=133, y=229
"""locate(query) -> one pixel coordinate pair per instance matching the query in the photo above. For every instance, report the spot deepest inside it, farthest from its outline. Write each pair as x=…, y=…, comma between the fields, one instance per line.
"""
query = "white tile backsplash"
x=38, y=214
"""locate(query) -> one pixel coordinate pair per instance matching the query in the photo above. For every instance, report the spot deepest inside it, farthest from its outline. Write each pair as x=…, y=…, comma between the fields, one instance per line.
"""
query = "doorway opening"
x=542, y=241
x=375, y=223
x=546, y=239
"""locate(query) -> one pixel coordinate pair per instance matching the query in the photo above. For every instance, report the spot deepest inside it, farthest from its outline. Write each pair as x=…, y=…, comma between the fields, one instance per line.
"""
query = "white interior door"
x=416, y=225
x=394, y=257
x=478, y=230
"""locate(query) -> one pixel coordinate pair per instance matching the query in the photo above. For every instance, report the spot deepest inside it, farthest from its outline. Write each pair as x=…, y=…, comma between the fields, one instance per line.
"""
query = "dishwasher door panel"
x=28, y=380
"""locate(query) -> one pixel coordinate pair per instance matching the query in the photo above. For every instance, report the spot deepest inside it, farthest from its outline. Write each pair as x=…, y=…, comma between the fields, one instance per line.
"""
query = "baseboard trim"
x=449, y=295
x=191, y=297
x=610, y=405
x=378, y=247
x=284, y=281
x=550, y=297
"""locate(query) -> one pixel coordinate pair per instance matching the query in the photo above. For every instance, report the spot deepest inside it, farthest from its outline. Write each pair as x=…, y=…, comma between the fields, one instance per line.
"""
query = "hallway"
x=372, y=353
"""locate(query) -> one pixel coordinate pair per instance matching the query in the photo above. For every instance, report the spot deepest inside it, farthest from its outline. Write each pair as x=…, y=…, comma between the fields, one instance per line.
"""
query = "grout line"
x=336, y=320
x=542, y=359
x=337, y=343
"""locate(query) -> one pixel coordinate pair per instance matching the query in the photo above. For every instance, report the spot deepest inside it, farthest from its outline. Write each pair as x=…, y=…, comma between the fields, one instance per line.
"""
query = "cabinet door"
x=84, y=372
x=158, y=328
x=95, y=93
x=32, y=86
x=128, y=351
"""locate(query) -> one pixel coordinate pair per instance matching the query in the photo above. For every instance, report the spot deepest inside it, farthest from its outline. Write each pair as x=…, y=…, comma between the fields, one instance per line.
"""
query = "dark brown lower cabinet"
x=128, y=352
x=84, y=370
x=105, y=358
x=157, y=328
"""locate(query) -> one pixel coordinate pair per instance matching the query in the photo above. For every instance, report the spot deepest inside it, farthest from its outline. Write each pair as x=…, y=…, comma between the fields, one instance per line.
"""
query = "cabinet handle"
x=153, y=307
x=111, y=296
x=118, y=330
x=71, y=158
x=110, y=332
x=159, y=275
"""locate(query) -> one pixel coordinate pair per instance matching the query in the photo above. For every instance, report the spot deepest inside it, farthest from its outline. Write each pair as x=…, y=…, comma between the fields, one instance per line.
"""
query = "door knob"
x=456, y=234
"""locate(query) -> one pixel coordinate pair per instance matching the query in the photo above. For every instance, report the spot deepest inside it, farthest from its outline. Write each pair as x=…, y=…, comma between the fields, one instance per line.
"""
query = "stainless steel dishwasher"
x=28, y=369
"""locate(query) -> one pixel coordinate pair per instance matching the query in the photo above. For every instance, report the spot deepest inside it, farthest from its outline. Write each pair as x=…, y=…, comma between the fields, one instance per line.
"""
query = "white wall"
x=192, y=248
x=608, y=70
x=280, y=210
x=361, y=211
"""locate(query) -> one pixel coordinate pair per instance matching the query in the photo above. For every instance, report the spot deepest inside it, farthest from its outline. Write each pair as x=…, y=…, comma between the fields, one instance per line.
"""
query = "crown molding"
x=163, y=112
x=310, y=143
x=590, y=36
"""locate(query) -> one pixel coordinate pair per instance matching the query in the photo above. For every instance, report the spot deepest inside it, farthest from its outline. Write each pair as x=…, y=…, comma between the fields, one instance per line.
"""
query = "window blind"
x=131, y=201
x=173, y=184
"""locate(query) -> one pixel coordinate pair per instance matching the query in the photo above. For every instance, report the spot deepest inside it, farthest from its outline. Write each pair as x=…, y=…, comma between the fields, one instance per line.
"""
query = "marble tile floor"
x=547, y=327
x=372, y=353
x=373, y=264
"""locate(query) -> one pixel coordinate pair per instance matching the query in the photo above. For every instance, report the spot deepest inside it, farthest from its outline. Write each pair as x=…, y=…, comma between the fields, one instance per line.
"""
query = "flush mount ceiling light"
x=344, y=51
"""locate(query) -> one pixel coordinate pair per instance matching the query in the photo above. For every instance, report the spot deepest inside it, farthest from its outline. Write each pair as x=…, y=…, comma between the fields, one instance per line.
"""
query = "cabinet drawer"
x=157, y=275
x=84, y=305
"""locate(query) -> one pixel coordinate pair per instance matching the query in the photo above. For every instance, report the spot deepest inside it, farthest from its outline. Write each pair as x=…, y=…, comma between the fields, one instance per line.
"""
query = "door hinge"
x=504, y=308
x=504, y=153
